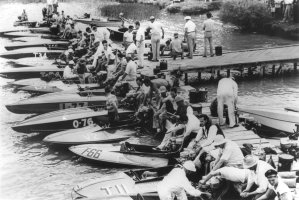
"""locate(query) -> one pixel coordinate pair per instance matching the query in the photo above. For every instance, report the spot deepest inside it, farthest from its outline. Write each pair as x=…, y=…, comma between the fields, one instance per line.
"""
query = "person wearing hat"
x=131, y=71
x=107, y=57
x=128, y=37
x=156, y=29
x=176, y=183
x=208, y=27
x=227, y=94
x=140, y=37
x=231, y=154
x=123, y=20
x=190, y=35
x=131, y=50
x=160, y=115
x=111, y=105
x=176, y=47
x=257, y=183
x=276, y=187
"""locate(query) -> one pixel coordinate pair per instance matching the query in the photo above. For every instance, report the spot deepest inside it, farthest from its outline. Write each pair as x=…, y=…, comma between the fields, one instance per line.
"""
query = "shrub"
x=248, y=17
x=174, y=9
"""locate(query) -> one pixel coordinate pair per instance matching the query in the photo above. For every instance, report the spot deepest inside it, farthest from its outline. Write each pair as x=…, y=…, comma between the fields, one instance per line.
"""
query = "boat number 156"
x=82, y=122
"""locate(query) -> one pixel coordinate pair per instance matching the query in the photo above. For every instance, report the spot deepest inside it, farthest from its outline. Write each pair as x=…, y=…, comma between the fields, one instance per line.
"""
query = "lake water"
x=31, y=171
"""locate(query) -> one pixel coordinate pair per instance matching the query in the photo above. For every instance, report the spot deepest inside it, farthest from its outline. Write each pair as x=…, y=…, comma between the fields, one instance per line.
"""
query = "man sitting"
x=111, y=105
x=69, y=71
x=176, y=47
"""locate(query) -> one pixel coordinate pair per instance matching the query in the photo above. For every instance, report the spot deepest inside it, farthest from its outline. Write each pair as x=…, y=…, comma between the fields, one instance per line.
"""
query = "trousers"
x=140, y=53
x=229, y=100
x=155, y=41
x=191, y=42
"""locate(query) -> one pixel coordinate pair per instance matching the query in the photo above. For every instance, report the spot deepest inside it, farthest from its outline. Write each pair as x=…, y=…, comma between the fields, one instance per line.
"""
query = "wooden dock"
x=244, y=60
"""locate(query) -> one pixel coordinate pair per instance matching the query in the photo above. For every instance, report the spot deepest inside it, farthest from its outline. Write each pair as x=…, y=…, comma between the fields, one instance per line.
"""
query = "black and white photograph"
x=149, y=100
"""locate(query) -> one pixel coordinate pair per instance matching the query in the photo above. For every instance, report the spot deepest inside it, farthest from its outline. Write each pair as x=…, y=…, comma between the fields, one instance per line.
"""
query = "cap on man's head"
x=121, y=14
x=189, y=165
x=175, y=34
x=152, y=17
x=162, y=89
x=71, y=62
x=271, y=172
x=249, y=161
x=178, y=98
x=187, y=18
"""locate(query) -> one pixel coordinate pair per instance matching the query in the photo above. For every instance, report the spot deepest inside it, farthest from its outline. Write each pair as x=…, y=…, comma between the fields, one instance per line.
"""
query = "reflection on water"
x=30, y=170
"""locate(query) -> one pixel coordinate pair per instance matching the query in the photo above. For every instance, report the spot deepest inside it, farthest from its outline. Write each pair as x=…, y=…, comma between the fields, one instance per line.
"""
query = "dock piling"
x=199, y=76
x=186, y=78
x=228, y=73
x=273, y=70
x=295, y=68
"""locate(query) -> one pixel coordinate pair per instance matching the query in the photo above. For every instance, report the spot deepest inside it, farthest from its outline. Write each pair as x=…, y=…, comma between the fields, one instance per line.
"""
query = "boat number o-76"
x=93, y=153
x=82, y=122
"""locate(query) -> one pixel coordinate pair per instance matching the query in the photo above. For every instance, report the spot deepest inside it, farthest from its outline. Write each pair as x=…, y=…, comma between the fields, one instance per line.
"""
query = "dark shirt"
x=182, y=112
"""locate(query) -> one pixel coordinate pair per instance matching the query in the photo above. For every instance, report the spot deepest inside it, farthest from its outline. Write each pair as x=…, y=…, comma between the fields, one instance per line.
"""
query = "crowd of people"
x=285, y=10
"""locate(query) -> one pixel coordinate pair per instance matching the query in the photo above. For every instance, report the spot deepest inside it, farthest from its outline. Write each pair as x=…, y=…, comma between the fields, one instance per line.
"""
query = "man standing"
x=227, y=93
x=176, y=183
x=287, y=12
x=208, y=27
x=128, y=37
x=140, y=37
x=155, y=38
x=190, y=35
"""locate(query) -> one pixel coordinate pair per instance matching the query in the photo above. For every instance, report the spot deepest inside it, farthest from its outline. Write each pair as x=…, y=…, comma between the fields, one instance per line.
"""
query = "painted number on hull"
x=92, y=153
x=82, y=122
x=40, y=55
x=120, y=189
x=72, y=105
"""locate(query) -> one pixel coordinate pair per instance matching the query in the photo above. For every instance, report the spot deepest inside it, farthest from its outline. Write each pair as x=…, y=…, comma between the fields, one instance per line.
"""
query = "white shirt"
x=131, y=71
x=232, y=154
x=208, y=25
x=156, y=28
x=106, y=34
x=99, y=35
x=128, y=36
x=55, y=1
x=208, y=138
x=281, y=188
x=228, y=87
x=258, y=177
x=68, y=73
x=108, y=52
x=288, y=1
x=139, y=34
x=193, y=123
x=176, y=182
x=189, y=26
x=233, y=174
x=131, y=49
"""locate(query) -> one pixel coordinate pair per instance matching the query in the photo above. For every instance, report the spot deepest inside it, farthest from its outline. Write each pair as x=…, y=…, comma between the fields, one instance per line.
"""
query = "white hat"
x=162, y=89
x=187, y=17
x=152, y=17
x=219, y=139
x=249, y=161
x=71, y=62
x=189, y=165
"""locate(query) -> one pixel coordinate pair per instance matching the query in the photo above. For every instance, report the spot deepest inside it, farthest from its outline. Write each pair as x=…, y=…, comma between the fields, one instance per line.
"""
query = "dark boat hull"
x=99, y=23
x=116, y=34
x=50, y=45
x=26, y=74
x=25, y=23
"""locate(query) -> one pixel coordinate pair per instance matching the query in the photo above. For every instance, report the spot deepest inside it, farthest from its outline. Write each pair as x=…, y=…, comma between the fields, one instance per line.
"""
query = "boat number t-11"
x=92, y=153
x=72, y=105
x=121, y=189
x=82, y=122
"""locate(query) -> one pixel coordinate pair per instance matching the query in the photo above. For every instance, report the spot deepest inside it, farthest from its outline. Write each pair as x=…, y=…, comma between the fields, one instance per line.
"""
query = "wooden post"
x=218, y=74
x=273, y=70
x=228, y=73
x=249, y=72
x=264, y=71
x=279, y=69
x=186, y=78
x=199, y=76
x=295, y=68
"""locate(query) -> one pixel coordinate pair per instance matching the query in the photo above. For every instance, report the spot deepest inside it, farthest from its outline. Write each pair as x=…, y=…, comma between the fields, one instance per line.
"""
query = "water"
x=31, y=171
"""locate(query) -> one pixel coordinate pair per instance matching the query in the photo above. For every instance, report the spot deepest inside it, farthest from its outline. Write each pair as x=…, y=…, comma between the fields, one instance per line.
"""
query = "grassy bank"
x=194, y=7
x=133, y=11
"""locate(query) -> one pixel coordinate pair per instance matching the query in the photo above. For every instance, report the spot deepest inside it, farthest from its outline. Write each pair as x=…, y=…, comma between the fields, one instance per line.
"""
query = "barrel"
x=156, y=70
x=203, y=95
x=285, y=162
x=193, y=96
x=218, y=50
x=163, y=64
x=149, y=55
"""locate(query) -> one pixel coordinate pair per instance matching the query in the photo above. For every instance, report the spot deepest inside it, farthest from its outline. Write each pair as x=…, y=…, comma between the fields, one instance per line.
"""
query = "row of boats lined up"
x=77, y=118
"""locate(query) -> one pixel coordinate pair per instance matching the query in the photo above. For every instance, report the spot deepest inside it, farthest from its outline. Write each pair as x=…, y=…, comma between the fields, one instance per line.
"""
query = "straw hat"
x=219, y=140
x=162, y=89
x=187, y=18
x=189, y=165
x=249, y=161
